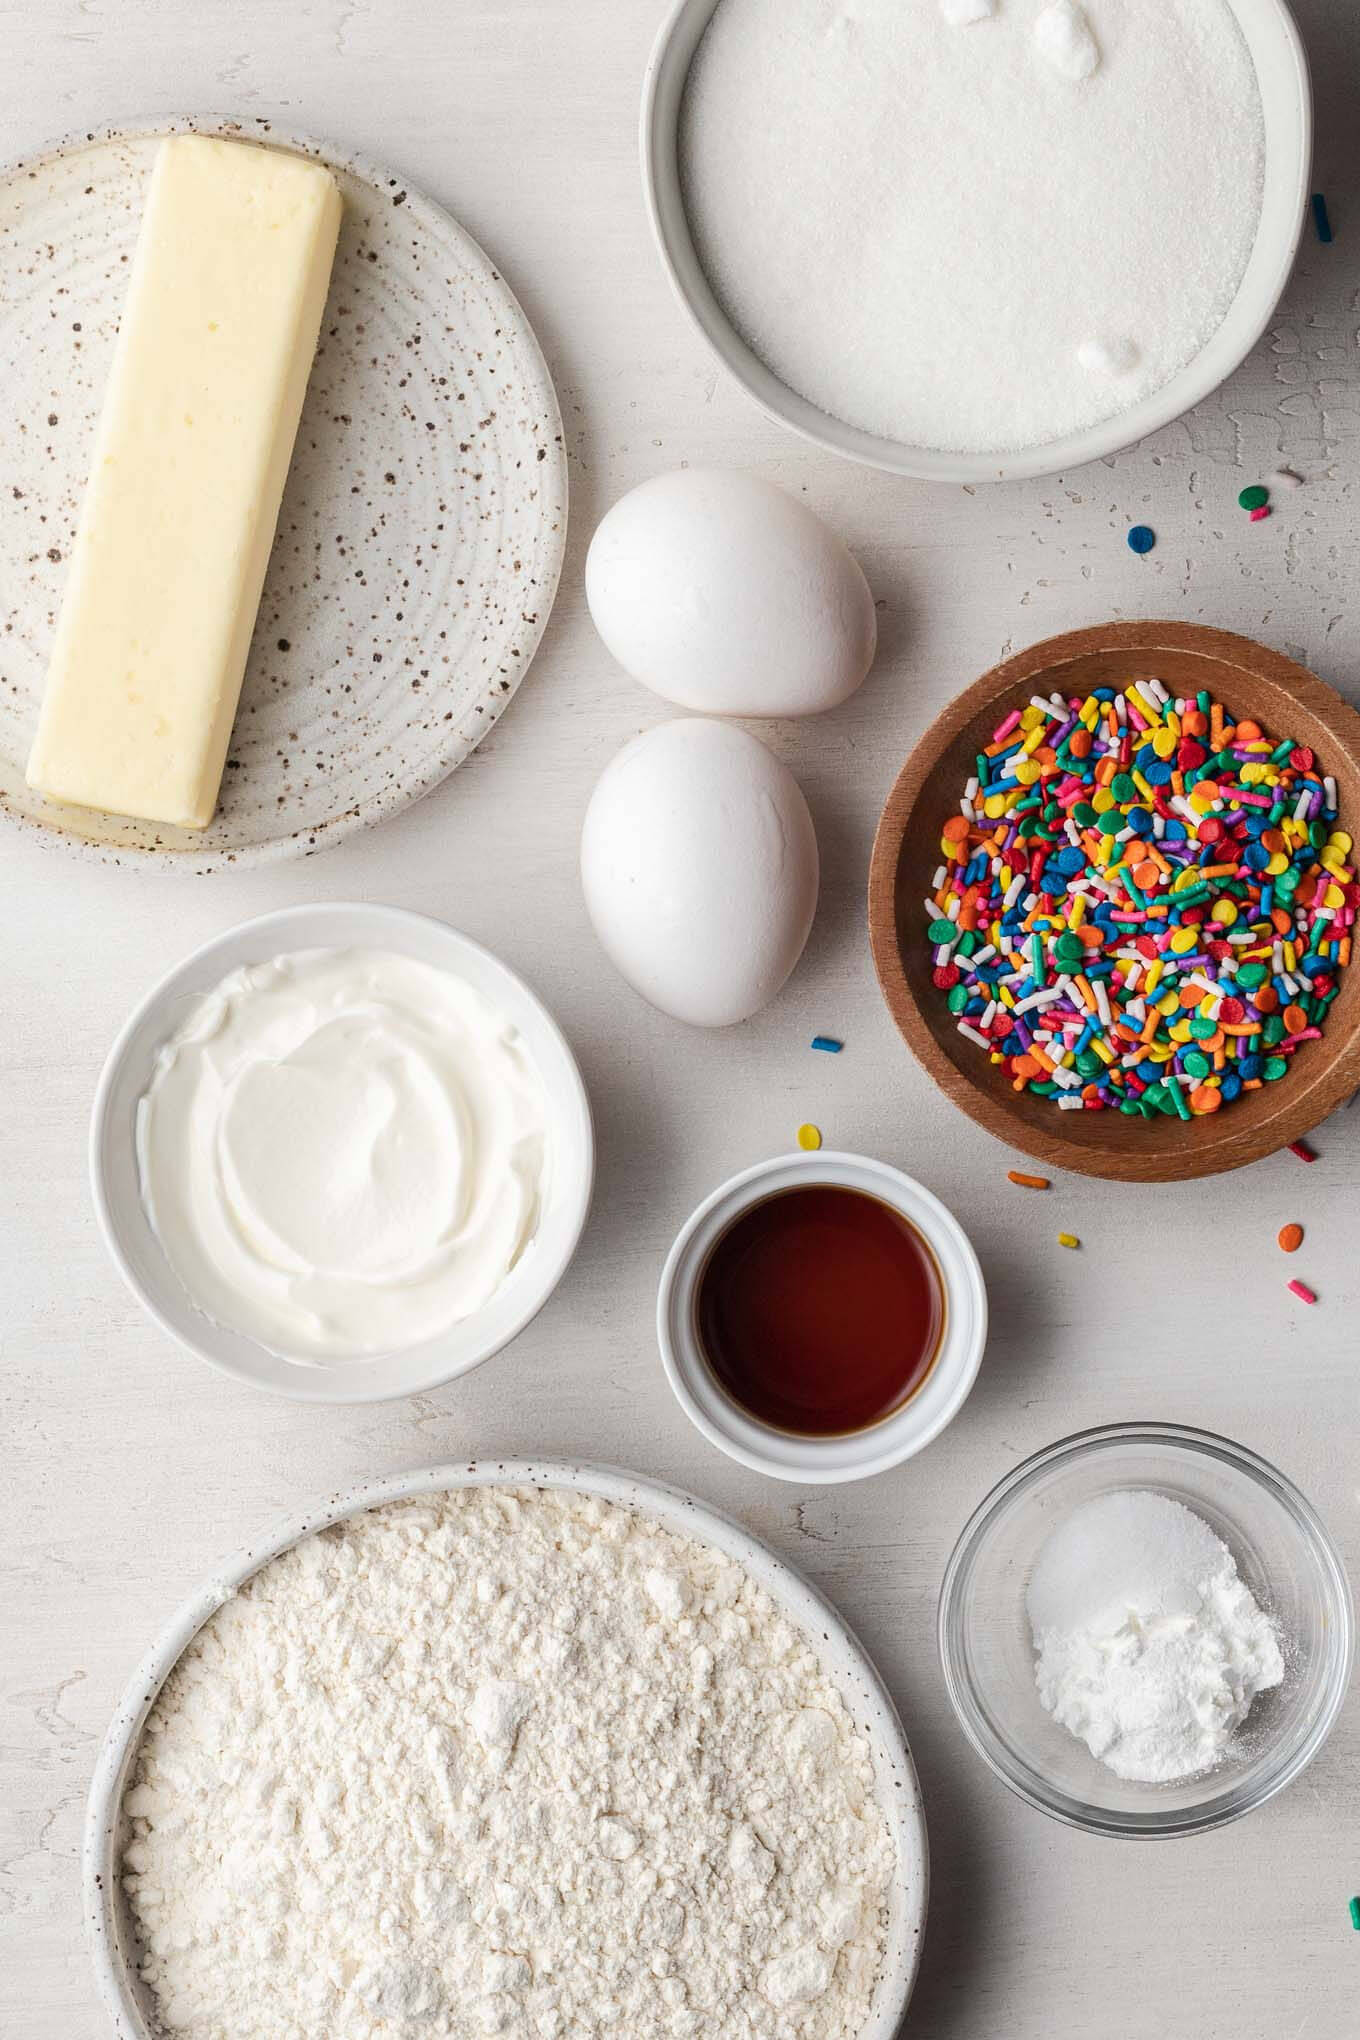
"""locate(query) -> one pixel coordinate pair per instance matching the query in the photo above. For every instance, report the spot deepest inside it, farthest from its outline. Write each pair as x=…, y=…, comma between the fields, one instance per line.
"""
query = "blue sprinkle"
x=1320, y=219
x=827, y=1043
x=1142, y=538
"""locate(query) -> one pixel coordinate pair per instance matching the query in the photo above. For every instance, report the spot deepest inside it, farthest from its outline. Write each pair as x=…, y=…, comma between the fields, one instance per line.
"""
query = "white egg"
x=699, y=864
x=721, y=593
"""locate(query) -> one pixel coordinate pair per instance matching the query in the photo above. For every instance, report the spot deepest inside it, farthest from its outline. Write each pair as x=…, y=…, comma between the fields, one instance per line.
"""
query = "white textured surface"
x=129, y=1468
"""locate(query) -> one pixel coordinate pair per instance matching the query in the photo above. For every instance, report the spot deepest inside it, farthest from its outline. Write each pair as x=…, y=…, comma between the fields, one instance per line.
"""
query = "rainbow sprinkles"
x=1144, y=906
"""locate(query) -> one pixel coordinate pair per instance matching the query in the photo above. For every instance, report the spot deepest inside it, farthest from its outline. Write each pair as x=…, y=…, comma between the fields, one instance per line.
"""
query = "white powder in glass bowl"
x=512, y=1762
x=1149, y=1645
x=973, y=225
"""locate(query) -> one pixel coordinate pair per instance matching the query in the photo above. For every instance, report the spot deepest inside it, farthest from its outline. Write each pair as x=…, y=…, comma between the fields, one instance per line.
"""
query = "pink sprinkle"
x=1302, y=1150
x=1257, y=515
x=1004, y=729
x=1303, y=1292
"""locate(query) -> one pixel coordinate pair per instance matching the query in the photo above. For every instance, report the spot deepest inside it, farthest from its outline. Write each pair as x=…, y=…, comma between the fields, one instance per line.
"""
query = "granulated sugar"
x=975, y=225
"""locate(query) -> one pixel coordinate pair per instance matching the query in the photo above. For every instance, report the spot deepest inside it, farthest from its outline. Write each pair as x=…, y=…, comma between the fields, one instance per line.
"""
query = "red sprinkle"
x=1302, y=1150
x=1257, y=515
x=1302, y=1291
x=947, y=974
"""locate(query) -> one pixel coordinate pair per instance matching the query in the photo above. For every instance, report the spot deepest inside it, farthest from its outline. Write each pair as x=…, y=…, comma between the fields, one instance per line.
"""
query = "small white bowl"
x=138, y=1254
x=1286, y=97
x=821, y=1461
x=109, y=1927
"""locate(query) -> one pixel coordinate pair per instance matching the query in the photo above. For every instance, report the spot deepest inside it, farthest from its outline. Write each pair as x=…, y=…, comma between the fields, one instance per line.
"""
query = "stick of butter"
x=224, y=305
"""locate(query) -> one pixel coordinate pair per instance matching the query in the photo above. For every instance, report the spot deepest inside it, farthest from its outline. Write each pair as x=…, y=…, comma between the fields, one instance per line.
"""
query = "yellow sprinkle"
x=809, y=1136
x=1339, y=840
x=1153, y=978
x=1076, y=913
x=1068, y=1239
x=1164, y=742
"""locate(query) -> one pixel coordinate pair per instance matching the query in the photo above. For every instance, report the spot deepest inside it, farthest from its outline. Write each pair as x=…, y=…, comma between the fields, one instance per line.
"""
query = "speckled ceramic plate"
x=422, y=527
x=112, y=1941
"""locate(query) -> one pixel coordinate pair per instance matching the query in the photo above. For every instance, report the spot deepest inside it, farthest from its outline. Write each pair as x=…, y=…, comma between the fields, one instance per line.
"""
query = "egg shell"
x=699, y=865
x=724, y=595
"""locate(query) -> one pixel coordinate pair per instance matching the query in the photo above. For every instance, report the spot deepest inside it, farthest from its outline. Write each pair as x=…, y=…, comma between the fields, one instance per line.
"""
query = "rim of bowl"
x=995, y=1752
x=662, y=94
x=565, y=1085
x=855, y=1455
x=1228, y=1140
x=849, y=1664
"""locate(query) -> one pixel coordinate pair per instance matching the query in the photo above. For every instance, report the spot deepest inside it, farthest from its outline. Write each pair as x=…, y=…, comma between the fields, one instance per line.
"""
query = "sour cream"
x=343, y=1152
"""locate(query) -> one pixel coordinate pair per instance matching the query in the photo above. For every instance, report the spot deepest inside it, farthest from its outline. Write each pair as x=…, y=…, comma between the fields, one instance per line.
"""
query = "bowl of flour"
x=1146, y=1631
x=483, y=1750
x=978, y=239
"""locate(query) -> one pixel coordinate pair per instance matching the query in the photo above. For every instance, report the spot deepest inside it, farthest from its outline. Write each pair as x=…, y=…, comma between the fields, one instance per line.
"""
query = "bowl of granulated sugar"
x=970, y=240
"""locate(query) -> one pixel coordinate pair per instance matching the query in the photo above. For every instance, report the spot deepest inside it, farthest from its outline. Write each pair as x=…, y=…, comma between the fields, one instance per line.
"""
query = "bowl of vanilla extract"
x=821, y=1317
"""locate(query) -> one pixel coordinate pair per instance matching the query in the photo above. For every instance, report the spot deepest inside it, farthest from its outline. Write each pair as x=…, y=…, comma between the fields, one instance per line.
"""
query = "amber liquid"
x=820, y=1310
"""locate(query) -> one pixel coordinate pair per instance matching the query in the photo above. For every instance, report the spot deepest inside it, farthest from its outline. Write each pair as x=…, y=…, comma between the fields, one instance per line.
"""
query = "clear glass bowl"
x=1283, y=1553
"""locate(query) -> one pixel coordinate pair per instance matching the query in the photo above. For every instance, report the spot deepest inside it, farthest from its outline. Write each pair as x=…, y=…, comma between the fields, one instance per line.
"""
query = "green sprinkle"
x=959, y=996
x=1275, y=1067
x=1254, y=497
x=941, y=931
x=1355, y=1914
x=1178, y=1099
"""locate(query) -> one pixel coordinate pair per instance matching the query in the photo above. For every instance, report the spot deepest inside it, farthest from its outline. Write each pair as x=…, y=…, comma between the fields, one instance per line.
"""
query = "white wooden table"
x=128, y=1467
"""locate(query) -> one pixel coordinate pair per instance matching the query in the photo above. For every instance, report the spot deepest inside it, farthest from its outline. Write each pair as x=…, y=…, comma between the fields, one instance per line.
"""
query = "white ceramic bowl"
x=138, y=1253
x=1282, y=69
x=821, y=1461
x=110, y=1936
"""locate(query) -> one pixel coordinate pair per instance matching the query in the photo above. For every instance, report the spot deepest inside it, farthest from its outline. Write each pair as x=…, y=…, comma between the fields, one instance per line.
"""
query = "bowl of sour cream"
x=342, y=1152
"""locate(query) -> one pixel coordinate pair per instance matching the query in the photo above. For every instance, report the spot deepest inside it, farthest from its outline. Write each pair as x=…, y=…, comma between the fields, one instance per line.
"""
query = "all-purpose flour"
x=973, y=224
x=1150, y=1647
x=505, y=1762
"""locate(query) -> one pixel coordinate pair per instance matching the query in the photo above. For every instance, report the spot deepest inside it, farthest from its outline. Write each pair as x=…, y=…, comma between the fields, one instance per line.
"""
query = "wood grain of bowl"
x=1251, y=681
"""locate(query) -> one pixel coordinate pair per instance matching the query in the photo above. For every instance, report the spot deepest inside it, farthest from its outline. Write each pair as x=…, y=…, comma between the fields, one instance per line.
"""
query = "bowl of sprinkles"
x=1112, y=901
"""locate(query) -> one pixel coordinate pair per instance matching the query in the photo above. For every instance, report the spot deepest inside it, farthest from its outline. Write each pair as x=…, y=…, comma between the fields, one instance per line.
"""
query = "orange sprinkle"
x=1146, y=874
x=1248, y=732
x=1027, y=1182
x=1266, y=1000
x=1295, y=1019
x=1105, y=771
x=1079, y=743
x=1191, y=997
x=955, y=829
x=1205, y=1098
x=1025, y=1066
x=1290, y=1238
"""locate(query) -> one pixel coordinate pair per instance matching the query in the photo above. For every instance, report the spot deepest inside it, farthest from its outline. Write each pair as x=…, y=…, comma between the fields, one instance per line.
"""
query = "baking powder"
x=1150, y=1647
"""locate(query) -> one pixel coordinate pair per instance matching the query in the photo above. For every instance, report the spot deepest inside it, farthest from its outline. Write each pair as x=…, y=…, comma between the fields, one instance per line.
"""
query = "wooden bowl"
x=1251, y=682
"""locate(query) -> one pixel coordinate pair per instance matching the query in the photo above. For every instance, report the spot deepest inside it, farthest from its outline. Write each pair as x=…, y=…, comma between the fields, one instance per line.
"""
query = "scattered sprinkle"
x=1143, y=904
x=1290, y=1238
x=1027, y=1182
x=1285, y=478
x=1302, y=1150
x=1320, y=219
x=1254, y=497
x=1302, y=1291
x=1259, y=513
x=1355, y=1914
x=1068, y=1239
x=827, y=1043
x=809, y=1136
x=1142, y=538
